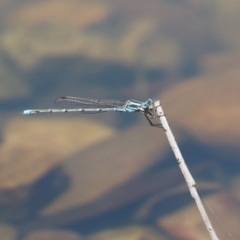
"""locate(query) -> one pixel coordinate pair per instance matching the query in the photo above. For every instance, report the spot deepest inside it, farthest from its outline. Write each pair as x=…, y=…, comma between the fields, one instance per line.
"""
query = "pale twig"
x=185, y=171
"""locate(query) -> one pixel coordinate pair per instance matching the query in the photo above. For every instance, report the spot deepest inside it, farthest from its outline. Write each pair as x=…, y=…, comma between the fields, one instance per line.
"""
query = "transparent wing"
x=77, y=102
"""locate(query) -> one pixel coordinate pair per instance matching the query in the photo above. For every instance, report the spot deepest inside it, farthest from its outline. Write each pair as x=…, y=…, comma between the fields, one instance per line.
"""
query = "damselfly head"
x=148, y=104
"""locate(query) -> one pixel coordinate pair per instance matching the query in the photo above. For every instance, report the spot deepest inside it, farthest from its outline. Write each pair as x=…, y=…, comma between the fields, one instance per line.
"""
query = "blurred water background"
x=111, y=176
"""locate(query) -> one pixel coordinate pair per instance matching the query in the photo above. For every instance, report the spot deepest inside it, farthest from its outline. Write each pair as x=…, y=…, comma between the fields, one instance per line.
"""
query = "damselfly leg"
x=150, y=116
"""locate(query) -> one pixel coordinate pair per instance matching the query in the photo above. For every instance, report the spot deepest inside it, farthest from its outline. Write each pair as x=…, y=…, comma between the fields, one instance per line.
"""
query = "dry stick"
x=187, y=175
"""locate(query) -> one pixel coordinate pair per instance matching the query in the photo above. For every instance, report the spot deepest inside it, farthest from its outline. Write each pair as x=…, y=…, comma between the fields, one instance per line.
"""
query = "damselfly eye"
x=148, y=104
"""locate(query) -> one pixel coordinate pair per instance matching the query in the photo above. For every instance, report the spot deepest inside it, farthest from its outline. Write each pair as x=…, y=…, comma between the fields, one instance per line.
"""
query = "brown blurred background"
x=111, y=176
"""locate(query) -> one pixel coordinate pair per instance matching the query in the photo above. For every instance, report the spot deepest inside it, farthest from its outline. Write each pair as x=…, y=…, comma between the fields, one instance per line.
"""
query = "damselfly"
x=87, y=105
